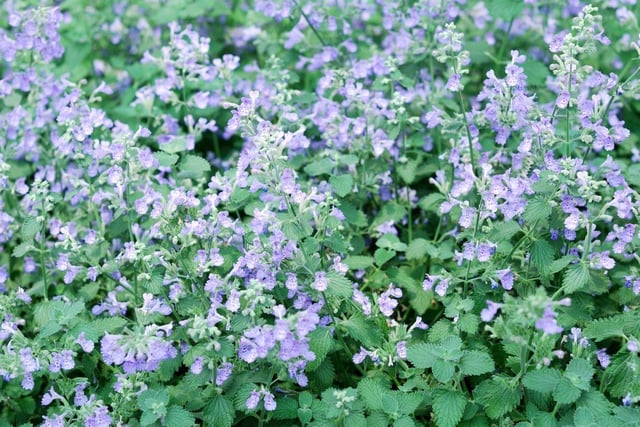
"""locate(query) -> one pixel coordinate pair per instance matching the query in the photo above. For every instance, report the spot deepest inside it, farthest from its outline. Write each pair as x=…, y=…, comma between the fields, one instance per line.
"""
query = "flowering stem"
x=45, y=283
x=313, y=28
x=468, y=131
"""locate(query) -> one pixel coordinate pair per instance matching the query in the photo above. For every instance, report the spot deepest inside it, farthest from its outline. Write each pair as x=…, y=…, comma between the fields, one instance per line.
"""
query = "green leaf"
x=469, y=323
x=193, y=167
x=353, y=215
x=544, y=380
x=498, y=396
x=417, y=249
x=166, y=160
x=504, y=230
x=432, y=202
x=390, y=404
x=448, y=407
x=383, y=255
x=358, y=262
x=341, y=184
x=339, y=286
x=22, y=249
x=408, y=402
x=580, y=372
x=149, y=399
x=559, y=264
x=566, y=392
x=148, y=418
x=476, y=363
x=404, y=422
x=423, y=355
x=176, y=145
x=371, y=390
x=391, y=241
x=321, y=343
x=407, y=171
x=286, y=409
x=179, y=417
x=583, y=417
x=29, y=228
x=542, y=255
x=443, y=370
x=536, y=72
x=610, y=327
x=355, y=419
x=505, y=10
x=320, y=167
x=537, y=210
x=363, y=330
x=576, y=277
x=219, y=412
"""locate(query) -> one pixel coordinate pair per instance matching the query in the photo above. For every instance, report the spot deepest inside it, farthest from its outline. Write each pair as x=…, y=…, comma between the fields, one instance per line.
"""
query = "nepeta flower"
x=320, y=282
x=487, y=314
x=387, y=301
x=603, y=358
x=547, y=323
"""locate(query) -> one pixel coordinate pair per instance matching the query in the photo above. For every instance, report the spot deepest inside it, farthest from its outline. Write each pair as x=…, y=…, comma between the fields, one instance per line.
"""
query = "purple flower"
x=269, y=402
x=86, y=345
x=99, y=418
x=453, y=84
x=223, y=373
x=603, y=358
x=320, y=283
x=360, y=298
x=632, y=346
x=197, y=365
x=253, y=400
x=490, y=312
x=506, y=278
x=548, y=323
x=387, y=302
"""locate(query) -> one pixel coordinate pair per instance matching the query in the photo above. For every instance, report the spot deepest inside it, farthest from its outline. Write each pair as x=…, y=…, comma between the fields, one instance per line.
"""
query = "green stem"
x=468, y=131
x=313, y=28
x=45, y=282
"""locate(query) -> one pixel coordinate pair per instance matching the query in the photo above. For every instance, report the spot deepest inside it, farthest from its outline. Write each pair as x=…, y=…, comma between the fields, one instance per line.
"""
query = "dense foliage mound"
x=319, y=213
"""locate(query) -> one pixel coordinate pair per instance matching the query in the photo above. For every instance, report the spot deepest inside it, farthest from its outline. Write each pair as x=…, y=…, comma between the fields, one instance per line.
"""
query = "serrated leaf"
x=423, y=355
x=319, y=167
x=391, y=241
x=497, y=396
x=575, y=278
x=504, y=9
x=448, y=407
x=431, y=202
x=339, y=286
x=193, y=167
x=443, y=370
x=176, y=145
x=355, y=419
x=407, y=402
x=22, y=249
x=341, y=184
x=29, y=229
x=219, y=412
x=566, y=392
x=358, y=262
x=468, y=323
x=321, y=343
x=580, y=372
x=286, y=409
x=407, y=171
x=583, y=417
x=404, y=422
x=542, y=255
x=165, y=159
x=601, y=329
x=148, y=418
x=559, y=264
x=504, y=230
x=544, y=380
x=389, y=403
x=179, y=417
x=381, y=256
x=537, y=210
x=363, y=330
x=417, y=249
x=371, y=391
x=476, y=363
x=149, y=399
